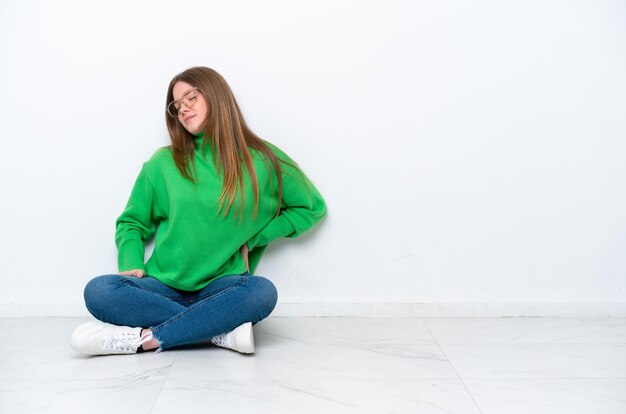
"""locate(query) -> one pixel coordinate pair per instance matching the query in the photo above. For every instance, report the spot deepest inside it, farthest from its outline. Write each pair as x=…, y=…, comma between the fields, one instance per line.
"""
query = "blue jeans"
x=179, y=317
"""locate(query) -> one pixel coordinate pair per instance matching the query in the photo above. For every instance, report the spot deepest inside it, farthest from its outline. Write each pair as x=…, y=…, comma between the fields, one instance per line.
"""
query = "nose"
x=183, y=108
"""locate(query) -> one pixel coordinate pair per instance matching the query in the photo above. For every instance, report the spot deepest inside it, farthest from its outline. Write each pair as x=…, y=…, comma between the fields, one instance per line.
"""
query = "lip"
x=188, y=118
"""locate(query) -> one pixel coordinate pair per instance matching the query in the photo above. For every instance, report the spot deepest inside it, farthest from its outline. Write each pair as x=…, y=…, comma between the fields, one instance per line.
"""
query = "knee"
x=97, y=290
x=266, y=291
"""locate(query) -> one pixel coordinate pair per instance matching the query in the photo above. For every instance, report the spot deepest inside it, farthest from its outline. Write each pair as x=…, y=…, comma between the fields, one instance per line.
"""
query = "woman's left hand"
x=244, y=253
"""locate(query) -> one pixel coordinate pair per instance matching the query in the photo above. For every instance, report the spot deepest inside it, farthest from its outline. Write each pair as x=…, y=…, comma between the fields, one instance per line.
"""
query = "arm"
x=136, y=224
x=302, y=206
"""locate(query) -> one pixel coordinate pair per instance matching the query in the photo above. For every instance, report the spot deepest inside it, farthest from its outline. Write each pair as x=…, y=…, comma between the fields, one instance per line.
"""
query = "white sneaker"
x=240, y=339
x=99, y=338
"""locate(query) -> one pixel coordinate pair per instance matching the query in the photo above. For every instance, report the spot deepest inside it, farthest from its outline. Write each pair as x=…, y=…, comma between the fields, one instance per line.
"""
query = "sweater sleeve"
x=302, y=206
x=137, y=224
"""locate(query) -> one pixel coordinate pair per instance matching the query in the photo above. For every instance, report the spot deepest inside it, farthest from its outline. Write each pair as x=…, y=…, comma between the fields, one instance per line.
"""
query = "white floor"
x=331, y=365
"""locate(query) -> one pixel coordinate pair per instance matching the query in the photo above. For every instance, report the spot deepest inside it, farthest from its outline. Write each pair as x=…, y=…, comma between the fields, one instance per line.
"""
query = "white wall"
x=469, y=152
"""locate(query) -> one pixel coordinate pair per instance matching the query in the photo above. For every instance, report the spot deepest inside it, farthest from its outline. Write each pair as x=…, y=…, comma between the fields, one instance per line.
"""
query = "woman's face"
x=193, y=112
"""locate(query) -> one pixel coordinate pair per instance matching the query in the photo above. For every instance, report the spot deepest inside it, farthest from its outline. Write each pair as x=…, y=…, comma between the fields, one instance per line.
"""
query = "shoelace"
x=126, y=341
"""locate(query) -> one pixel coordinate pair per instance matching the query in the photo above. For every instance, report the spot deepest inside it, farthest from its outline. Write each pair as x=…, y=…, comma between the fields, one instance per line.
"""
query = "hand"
x=244, y=252
x=135, y=272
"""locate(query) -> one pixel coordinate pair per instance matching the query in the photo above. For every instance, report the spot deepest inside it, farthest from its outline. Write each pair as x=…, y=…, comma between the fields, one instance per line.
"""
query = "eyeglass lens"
x=188, y=99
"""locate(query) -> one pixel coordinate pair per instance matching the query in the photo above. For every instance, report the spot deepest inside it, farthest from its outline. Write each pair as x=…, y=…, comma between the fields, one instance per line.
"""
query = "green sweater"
x=195, y=244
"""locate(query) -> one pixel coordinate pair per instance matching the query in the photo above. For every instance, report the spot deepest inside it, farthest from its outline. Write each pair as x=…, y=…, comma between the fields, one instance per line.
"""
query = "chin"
x=193, y=130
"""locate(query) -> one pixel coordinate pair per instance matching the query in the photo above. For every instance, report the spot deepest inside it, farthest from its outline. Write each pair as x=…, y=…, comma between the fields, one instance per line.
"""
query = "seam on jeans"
x=243, y=281
x=130, y=283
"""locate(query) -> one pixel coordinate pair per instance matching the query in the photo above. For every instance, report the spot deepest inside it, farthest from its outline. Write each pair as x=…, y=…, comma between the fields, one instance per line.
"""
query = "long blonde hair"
x=228, y=135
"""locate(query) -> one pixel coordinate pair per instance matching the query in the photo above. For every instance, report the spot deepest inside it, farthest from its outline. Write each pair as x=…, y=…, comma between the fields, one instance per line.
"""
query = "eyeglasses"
x=189, y=99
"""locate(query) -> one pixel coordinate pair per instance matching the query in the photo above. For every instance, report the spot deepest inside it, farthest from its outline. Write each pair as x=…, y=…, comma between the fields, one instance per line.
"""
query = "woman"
x=217, y=195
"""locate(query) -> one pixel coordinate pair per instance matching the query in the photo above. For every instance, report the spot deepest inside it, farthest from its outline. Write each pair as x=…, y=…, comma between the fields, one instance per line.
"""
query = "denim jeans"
x=180, y=317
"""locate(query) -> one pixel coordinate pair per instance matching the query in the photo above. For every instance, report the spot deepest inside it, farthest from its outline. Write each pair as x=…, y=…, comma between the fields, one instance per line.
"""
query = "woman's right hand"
x=135, y=272
x=244, y=252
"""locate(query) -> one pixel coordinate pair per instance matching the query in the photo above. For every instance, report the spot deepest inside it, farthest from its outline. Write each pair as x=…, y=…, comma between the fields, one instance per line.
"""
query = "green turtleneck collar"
x=198, y=140
x=198, y=137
